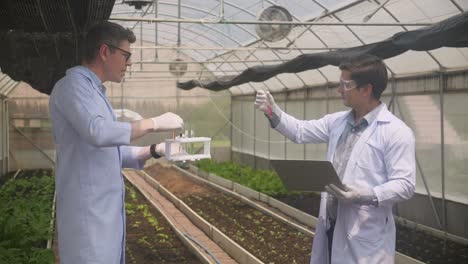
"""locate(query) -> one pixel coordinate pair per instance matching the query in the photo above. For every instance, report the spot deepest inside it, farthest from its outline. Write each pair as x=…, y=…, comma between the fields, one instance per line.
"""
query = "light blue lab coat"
x=383, y=159
x=90, y=152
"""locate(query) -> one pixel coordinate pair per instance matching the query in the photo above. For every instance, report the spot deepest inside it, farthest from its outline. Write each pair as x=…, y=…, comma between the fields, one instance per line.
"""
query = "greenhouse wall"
x=31, y=144
x=441, y=143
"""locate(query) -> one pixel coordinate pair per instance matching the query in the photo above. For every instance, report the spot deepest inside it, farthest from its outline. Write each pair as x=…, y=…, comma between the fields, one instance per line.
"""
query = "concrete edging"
x=51, y=241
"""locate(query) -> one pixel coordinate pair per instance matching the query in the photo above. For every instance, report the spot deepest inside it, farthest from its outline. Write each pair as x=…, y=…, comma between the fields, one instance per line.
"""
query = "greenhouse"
x=215, y=131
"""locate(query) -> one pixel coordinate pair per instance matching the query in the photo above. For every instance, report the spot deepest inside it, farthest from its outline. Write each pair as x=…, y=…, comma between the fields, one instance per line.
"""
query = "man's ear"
x=104, y=52
x=367, y=89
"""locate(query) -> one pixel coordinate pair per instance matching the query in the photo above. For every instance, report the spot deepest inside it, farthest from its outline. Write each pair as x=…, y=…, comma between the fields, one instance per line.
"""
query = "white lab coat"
x=92, y=147
x=383, y=159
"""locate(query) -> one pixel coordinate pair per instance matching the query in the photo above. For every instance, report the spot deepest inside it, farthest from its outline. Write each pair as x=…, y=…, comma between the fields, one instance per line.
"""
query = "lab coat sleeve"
x=131, y=158
x=400, y=159
x=77, y=103
x=304, y=131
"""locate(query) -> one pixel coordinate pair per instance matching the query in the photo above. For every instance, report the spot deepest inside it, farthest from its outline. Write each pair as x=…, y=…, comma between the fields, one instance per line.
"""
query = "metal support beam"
x=240, y=22
x=3, y=138
x=220, y=48
x=155, y=5
x=209, y=62
x=442, y=88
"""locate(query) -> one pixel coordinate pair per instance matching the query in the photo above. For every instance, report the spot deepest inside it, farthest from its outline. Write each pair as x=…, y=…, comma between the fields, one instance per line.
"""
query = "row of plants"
x=264, y=181
x=25, y=215
x=150, y=239
x=264, y=236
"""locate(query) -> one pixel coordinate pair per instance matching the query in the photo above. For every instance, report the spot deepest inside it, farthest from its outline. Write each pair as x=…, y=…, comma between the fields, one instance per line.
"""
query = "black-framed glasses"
x=126, y=54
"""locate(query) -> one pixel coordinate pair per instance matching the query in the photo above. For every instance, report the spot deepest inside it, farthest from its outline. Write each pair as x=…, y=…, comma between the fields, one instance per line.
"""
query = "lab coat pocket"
x=366, y=223
x=371, y=158
x=370, y=168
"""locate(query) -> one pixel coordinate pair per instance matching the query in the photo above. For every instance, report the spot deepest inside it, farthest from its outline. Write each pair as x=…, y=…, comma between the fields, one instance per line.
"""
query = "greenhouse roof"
x=6, y=85
x=220, y=36
x=218, y=40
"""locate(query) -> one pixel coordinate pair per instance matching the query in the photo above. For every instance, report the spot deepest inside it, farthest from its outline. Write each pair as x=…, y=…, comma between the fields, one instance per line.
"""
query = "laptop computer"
x=306, y=175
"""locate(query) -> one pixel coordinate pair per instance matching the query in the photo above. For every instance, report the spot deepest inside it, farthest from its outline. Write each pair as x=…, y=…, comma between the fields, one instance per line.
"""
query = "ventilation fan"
x=269, y=32
x=178, y=67
x=138, y=4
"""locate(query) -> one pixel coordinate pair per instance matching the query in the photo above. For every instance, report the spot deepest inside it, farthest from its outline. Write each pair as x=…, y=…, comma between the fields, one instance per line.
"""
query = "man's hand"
x=351, y=195
x=167, y=122
x=264, y=102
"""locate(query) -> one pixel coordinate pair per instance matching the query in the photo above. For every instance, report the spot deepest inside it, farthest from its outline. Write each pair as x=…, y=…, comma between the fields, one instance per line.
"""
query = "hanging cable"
x=237, y=128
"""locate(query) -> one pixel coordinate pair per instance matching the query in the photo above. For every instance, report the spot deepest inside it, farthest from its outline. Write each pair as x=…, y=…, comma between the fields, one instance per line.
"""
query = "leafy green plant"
x=25, y=215
x=129, y=209
x=264, y=181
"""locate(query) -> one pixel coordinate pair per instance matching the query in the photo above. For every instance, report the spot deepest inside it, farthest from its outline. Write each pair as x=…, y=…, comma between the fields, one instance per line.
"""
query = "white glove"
x=176, y=149
x=351, y=195
x=264, y=102
x=167, y=122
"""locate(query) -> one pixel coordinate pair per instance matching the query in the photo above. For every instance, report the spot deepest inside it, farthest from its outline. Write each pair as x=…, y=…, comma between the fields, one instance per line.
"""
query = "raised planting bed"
x=409, y=241
x=25, y=218
x=150, y=238
x=412, y=242
x=266, y=237
x=429, y=249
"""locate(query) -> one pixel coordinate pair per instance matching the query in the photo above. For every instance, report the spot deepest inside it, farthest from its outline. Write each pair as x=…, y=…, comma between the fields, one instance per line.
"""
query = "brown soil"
x=307, y=202
x=154, y=242
x=177, y=183
x=267, y=238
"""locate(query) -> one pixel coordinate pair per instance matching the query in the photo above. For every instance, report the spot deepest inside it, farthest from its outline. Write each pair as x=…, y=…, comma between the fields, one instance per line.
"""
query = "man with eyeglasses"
x=373, y=153
x=92, y=147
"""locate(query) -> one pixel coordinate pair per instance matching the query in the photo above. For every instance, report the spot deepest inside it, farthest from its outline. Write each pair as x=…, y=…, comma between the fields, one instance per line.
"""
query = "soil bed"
x=269, y=239
x=414, y=243
x=150, y=238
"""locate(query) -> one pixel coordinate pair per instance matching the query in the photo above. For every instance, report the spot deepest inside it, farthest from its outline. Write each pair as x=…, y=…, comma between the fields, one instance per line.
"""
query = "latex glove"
x=352, y=195
x=175, y=149
x=265, y=102
x=167, y=122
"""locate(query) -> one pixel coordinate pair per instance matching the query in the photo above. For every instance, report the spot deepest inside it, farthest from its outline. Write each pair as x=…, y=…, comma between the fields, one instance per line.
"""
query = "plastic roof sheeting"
x=6, y=84
x=228, y=37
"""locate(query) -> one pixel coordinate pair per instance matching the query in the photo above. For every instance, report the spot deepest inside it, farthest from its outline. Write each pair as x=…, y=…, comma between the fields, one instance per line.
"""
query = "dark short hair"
x=104, y=32
x=367, y=69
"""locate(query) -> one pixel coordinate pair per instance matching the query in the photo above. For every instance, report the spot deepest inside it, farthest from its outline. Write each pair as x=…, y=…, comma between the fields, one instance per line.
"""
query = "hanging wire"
x=220, y=112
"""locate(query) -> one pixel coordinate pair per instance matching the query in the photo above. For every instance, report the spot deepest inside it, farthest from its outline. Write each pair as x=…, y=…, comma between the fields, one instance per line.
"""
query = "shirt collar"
x=372, y=115
x=367, y=119
x=93, y=77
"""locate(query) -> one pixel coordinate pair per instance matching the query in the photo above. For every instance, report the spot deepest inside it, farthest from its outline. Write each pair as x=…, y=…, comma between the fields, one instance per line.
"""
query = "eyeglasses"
x=126, y=54
x=348, y=84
